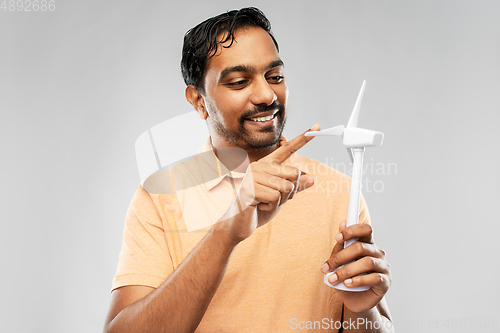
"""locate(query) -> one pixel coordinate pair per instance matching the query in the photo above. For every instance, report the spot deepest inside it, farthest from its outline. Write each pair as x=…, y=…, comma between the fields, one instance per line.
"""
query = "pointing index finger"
x=286, y=150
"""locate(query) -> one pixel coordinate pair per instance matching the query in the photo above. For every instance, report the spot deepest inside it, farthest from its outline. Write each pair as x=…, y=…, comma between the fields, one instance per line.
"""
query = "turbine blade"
x=353, y=120
x=337, y=130
x=349, y=152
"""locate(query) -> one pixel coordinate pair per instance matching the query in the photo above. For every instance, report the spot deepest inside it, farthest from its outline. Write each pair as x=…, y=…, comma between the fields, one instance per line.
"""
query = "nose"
x=263, y=93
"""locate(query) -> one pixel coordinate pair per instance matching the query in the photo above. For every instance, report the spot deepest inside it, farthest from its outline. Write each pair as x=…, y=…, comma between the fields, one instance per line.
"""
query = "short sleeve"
x=144, y=257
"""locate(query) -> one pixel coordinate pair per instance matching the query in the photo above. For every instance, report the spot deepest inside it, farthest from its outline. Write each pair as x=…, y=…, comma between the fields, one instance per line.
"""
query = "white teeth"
x=262, y=118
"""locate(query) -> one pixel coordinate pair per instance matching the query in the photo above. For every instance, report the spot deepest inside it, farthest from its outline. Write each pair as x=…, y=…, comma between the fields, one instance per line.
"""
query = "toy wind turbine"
x=355, y=140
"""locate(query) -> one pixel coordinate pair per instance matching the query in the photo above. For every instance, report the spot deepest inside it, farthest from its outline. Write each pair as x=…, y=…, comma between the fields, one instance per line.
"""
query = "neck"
x=253, y=154
x=257, y=155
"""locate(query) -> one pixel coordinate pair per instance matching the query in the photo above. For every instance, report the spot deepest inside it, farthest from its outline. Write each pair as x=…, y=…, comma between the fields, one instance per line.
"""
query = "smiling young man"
x=259, y=268
x=243, y=94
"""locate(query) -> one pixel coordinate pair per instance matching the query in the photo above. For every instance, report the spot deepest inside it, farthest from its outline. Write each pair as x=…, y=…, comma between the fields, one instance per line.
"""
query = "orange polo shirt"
x=273, y=281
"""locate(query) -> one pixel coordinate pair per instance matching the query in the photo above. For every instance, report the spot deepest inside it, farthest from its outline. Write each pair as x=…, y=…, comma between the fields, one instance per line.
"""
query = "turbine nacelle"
x=355, y=137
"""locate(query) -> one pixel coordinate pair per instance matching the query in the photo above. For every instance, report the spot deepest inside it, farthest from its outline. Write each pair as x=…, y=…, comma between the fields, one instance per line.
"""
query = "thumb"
x=342, y=225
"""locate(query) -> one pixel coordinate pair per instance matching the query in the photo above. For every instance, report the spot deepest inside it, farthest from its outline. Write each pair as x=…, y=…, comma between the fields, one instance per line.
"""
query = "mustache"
x=262, y=108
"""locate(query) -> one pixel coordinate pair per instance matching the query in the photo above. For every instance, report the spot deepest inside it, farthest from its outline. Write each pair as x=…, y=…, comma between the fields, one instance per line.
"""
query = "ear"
x=196, y=99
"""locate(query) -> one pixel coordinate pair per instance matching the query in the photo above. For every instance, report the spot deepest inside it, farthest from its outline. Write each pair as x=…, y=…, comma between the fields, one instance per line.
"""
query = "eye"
x=276, y=79
x=237, y=84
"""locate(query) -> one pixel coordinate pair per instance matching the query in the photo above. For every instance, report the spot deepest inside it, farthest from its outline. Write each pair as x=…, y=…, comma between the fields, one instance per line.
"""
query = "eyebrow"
x=244, y=68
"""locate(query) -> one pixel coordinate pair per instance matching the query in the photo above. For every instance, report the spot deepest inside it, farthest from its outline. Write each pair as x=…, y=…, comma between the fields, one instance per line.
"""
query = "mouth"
x=265, y=117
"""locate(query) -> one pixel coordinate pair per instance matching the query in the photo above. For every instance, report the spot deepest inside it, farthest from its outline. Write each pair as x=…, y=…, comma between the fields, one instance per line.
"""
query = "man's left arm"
x=365, y=311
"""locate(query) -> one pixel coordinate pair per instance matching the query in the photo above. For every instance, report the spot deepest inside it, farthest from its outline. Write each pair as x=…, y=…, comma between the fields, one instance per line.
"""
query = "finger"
x=378, y=281
x=282, y=185
x=303, y=183
x=296, y=187
x=339, y=246
x=286, y=150
x=351, y=253
x=363, y=266
x=266, y=207
x=284, y=171
x=363, y=232
x=266, y=198
x=299, y=179
x=342, y=225
x=274, y=182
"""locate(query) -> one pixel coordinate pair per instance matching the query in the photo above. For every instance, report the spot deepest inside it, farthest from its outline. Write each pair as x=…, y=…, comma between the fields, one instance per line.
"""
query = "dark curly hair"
x=201, y=42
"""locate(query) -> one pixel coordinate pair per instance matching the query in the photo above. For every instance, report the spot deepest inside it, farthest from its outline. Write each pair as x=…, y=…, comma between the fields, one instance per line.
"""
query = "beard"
x=258, y=139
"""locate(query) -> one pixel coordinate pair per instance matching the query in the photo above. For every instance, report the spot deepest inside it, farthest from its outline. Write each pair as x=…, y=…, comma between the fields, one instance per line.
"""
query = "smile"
x=262, y=118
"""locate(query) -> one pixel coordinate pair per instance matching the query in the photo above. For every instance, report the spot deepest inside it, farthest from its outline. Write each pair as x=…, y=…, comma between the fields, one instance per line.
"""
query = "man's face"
x=245, y=92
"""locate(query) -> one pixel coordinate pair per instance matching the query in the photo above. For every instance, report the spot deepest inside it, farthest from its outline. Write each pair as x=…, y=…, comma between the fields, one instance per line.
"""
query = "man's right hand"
x=267, y=185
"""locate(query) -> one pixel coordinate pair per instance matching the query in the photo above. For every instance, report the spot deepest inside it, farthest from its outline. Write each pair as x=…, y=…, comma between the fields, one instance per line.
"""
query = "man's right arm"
x=179, y=303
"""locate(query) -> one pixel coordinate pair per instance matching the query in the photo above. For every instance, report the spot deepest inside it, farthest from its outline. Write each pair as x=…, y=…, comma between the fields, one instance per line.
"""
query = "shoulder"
x=158, y=183
x=183, y=174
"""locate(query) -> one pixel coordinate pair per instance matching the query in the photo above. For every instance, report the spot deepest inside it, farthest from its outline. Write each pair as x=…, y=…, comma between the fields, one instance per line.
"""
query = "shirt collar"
x=218, y=167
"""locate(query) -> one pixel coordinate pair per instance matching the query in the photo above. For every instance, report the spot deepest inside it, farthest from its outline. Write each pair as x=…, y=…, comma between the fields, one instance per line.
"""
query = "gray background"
x=80, y=84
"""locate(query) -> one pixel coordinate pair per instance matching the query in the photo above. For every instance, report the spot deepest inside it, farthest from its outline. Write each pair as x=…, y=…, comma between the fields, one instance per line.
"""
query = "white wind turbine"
x=355, y=140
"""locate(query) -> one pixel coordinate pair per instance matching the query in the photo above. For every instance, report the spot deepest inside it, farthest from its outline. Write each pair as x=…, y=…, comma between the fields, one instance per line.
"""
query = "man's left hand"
x=367, y=258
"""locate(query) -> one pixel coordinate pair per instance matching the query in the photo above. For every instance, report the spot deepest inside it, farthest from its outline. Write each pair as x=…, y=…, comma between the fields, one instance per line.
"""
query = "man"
x=260, y=267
